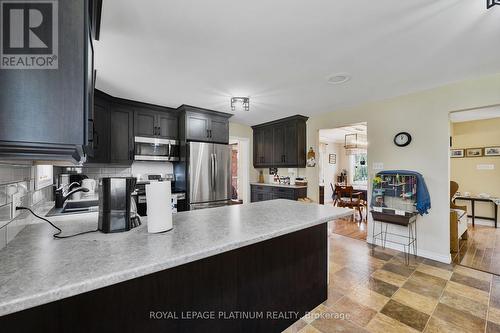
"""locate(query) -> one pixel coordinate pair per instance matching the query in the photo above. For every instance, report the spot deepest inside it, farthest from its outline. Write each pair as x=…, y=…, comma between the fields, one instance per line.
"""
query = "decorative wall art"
x=492, y=151
x=474, y=152
x=457, y=153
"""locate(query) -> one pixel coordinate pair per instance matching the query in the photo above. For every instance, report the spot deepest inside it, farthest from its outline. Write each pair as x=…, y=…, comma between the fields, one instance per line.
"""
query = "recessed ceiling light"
x=339, y=78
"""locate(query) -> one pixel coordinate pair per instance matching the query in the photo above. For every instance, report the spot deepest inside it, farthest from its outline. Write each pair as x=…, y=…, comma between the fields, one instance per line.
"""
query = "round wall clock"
x=402, y=139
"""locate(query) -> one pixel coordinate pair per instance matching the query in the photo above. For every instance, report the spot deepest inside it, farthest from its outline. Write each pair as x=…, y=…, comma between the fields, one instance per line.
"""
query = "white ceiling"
x=337, y=135
x=281, y=52
x=475, y=114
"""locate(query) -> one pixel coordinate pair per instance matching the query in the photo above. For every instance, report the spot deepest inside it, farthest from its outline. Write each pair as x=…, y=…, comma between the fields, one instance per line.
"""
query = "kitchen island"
x=264, y=261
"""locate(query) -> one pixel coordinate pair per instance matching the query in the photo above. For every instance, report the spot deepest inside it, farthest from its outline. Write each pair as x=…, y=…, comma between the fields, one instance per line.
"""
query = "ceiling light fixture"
x=340, y=77
x=243, y=101
x=491, y=3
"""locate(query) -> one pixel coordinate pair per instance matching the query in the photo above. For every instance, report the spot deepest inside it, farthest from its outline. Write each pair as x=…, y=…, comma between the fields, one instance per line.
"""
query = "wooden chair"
x=458, y=229
x=346, y=197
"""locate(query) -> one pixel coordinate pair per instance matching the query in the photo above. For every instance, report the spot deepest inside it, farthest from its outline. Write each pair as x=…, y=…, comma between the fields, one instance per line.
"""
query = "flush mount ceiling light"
x=491, y=3
x=340, y=78
x=244, y=103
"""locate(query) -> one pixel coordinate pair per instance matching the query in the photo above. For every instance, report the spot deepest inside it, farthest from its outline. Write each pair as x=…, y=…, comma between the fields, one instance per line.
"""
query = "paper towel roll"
x=159, y=203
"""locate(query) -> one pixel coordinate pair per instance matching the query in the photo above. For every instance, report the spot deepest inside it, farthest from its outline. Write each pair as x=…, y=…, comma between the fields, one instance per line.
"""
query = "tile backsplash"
x=18, y=179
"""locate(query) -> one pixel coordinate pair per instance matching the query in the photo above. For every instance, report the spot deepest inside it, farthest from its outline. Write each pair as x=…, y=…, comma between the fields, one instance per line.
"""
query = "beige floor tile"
x=473, y=273
x=309, y=329
x=494, y=315
x=460, y=320
x=383, y=324
x=466, y=291
x=416, y=301
x=369, y=298
x=437, y=325
x=296, y=327
x=355, y=312
x=435, y=271
x=464, y=304
x=309, y=318
x=389, y=277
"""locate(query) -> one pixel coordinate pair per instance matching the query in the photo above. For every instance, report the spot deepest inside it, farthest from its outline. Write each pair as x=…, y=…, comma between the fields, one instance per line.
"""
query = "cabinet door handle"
x=210, y=133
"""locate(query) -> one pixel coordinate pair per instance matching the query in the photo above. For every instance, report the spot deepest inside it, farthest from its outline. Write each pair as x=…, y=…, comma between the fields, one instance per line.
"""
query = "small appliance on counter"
x=299, y=181
x=178, y=200
x=117, y=209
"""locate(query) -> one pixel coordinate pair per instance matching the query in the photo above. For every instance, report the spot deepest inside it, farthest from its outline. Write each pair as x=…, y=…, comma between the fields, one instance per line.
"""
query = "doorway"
x=240, y=157
x=475, y=188
x=343, y=176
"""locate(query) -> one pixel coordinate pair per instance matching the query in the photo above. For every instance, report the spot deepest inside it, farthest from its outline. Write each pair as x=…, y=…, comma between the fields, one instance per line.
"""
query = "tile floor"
x=481, y=250
x=377, y=292
x=349, y=228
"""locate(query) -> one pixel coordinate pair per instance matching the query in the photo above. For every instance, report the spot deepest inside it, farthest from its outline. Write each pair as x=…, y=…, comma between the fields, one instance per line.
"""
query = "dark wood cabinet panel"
x=121, y=134
x=145, y=123
x=152, y=123
x=49, y=108
x=264, y=193
x=280, y=143
x=101, y=131
x=197, y=124
x=268, y=146
x=168, y=126
x=219, y=130
x=198, y=127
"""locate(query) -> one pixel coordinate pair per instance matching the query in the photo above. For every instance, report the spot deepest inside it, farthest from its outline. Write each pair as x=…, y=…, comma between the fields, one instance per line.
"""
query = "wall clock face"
x=402, y=139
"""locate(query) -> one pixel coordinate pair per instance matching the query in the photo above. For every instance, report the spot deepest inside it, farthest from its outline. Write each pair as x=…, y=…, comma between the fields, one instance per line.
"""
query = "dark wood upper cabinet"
x=168, y=126
x=198, y=124
x=121, y=134
x=155, y=124
x=44, y=113
x=101, y=130
x=197, y=127
x=280, y=143
x=145, y=123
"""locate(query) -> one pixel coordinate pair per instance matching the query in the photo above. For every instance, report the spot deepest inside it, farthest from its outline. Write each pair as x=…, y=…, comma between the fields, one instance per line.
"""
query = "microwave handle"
x=169, y=153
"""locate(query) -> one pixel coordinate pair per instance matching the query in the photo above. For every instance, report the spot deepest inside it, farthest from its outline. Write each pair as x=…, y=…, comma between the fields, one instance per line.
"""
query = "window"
x=360, y=169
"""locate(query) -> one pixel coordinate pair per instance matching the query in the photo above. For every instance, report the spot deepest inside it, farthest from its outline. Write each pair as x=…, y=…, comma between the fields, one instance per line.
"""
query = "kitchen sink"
x=75, y=207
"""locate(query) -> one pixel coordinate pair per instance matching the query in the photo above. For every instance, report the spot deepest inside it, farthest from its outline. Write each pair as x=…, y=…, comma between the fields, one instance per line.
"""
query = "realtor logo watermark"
x=29, y=34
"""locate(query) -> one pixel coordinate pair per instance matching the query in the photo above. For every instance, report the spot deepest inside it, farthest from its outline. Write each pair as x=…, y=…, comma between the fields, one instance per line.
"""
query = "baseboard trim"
x=421, y=253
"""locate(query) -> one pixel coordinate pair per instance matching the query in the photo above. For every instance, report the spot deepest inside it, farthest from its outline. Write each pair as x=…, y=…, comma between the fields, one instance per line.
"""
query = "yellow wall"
x=426, y=116
x=471, y=134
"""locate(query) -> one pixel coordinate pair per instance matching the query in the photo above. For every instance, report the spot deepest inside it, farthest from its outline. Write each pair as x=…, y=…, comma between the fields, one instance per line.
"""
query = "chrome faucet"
x=61, y=197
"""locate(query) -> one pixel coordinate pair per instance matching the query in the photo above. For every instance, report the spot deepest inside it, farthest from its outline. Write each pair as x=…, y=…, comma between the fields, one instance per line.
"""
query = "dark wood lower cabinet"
x=285, y=276
x=264, y=193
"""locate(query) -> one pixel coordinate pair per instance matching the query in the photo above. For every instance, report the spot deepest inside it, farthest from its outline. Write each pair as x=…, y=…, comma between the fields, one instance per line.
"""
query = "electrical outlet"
x=17, y=200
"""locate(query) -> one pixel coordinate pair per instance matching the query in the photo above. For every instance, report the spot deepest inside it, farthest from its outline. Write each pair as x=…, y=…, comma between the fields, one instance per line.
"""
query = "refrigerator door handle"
x=216, y=172
x=212, y=162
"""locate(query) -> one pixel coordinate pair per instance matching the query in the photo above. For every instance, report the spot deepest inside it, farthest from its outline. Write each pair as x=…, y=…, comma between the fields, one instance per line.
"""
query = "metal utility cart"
x=394, y=198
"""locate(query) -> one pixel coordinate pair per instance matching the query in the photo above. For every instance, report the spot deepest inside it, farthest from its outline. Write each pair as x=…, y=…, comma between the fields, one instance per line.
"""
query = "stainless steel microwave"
x=154, y=149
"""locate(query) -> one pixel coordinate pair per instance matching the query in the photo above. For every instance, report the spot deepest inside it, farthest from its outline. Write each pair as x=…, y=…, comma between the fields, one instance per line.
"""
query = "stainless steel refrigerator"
x=209, y=175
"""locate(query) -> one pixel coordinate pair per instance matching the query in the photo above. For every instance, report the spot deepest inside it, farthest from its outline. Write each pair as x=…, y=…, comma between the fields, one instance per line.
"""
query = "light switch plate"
x=485, y=167
x=378, y=166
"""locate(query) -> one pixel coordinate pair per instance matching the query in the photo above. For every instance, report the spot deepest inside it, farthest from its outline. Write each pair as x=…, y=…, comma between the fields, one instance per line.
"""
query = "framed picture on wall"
x=457, y=153
x=492, y=151
x=332, y=158
x=474, y=152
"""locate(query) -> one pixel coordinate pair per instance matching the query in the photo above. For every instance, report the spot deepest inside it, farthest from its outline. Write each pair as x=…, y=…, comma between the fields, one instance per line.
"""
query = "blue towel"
x=423, y=196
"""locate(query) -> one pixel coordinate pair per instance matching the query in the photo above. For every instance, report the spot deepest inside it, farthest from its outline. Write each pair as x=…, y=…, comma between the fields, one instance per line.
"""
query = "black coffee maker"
x=116, y=205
